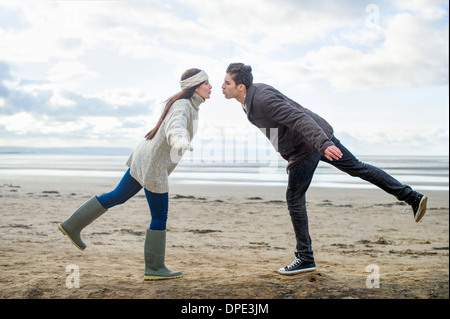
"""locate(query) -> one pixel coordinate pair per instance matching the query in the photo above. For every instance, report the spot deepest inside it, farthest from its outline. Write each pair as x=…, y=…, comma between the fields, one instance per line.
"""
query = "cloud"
x=40, y=113
x=184, y=31
x=428, y=9
x=64, y=63
x=411, y=142
x=390, y=56
x=69, y=74
x=266, y=26
x=4, y=72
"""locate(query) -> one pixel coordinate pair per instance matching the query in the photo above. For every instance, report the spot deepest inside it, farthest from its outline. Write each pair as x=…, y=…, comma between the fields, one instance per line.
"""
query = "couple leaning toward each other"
x=304, y=139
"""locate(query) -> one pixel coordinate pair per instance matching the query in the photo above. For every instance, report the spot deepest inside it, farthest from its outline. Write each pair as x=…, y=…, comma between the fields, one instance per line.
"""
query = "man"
x=304, y=139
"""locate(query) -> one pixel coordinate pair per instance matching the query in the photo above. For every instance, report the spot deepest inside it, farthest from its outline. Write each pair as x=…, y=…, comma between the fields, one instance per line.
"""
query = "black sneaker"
x=297, y=266
x=419, y=207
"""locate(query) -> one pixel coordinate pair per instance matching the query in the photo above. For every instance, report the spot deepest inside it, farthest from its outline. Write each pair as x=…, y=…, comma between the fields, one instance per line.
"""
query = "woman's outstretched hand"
x=182, y=144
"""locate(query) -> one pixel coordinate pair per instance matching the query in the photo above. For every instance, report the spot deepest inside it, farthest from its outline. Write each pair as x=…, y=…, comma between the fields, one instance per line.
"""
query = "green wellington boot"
x=154, y=252
x=83, y=216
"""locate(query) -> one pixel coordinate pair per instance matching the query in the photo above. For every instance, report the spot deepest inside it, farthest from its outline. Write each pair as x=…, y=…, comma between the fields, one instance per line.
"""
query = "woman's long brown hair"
x=185, y=94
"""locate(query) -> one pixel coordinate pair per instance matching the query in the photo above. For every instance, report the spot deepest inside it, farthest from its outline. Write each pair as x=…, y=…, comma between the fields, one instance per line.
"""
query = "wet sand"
x=229, y=243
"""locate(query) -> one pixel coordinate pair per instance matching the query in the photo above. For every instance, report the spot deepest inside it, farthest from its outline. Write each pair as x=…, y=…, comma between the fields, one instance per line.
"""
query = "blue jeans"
x=127, y=188
x=301, y=174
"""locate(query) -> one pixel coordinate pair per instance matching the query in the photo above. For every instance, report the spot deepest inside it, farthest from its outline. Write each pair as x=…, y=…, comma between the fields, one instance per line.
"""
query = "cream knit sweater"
x=151, y=163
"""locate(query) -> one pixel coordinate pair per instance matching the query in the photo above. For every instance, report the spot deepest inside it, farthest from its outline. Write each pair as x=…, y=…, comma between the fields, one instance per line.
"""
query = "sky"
x=97, y=73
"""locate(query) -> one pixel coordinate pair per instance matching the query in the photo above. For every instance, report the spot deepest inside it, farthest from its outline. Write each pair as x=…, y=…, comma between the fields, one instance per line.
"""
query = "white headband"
x=194, y=80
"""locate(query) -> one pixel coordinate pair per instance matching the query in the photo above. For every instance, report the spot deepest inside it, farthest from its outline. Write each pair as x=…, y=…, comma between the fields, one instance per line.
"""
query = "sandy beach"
x=229, y=243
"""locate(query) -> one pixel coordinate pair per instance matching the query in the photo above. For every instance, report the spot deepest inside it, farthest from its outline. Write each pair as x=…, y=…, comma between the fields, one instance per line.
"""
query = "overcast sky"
x=97, y=73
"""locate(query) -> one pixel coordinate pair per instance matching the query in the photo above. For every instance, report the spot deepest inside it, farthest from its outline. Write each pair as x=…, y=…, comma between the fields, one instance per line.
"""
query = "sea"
x=421, y=172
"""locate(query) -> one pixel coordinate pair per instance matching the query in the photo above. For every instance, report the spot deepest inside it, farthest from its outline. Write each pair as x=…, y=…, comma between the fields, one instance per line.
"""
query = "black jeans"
x=301, y=174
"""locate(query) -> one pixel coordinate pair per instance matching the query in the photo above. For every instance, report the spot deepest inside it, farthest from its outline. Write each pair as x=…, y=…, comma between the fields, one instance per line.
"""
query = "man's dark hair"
x=241, y=74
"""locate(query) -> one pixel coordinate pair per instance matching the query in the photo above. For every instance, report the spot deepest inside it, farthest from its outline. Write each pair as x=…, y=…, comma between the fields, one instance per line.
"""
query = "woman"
x=150, y=164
